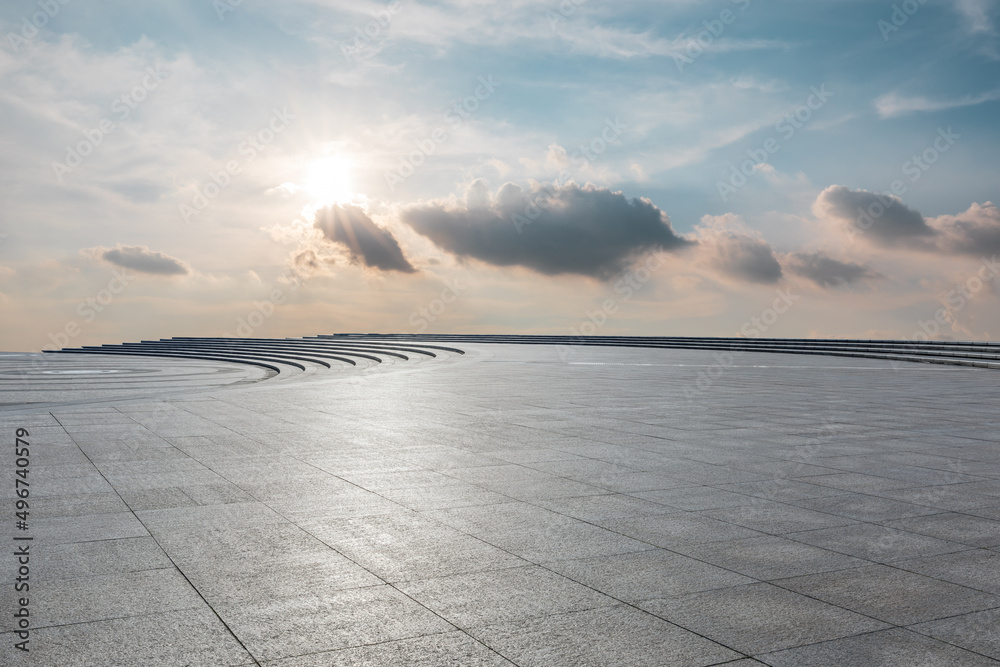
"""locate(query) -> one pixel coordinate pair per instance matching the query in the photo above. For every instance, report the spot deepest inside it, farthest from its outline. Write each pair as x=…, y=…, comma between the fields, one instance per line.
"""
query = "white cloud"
x=976, y=15
x=894, y=104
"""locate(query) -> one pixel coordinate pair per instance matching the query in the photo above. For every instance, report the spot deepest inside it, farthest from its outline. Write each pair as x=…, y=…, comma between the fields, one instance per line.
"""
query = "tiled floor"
x=517, y=506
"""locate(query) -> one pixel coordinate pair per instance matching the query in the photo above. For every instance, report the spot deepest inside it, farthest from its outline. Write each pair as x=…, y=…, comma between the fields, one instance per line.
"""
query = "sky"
x=819, y=169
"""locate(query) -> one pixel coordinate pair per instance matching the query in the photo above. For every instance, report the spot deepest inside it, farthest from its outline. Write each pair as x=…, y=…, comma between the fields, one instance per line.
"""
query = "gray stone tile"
x=445, y=458
x=349, y=503
x=887, y=648
x=88, y=559
x=876, y=543
x=976, y=632
x=695, y=498
x=865, y=508
x=537, y=534
x=637, y=482
x=88, y=528
x=760, y=618
x=193, y=637
x=158, y=498
x=597, y=509
x=671, y=531
x=500, y=596
x=443, y=496
x=99, y=598
x=53, y=506
x=961, y=528
x=776, y=518
x=450, y=648
x=290, y=627
x=782, y=490
x=594, y=638
x=209, y=517
x=405, y=546
x=523, y=483
x=259, y=564
x=892, y=595
x=985, y=512
x=770, y=557
x=975, y=568
x=379, y=482
x=857, y=482
x=647, y=574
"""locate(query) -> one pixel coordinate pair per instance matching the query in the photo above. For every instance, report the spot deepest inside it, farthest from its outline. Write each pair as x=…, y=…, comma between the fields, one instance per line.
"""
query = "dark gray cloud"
x=558, y=229
x=144, y=260
x=883, y=219
x=887, y=222
x=741, y=256
x=367, y=243
x=828, y=272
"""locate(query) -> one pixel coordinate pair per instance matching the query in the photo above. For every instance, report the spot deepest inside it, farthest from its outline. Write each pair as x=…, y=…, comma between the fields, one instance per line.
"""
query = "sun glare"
x=329, y=180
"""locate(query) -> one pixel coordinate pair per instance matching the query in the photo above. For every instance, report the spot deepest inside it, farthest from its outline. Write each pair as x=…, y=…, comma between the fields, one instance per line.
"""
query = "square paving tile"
x=888, y=648
x=189, y=637
x=450, y=648
x=776, y=518
x=671, y=531
x=892, y=595
x=876, y=543
x=503, y=595
x=961, y=528
x=290, y=627
x=770, y=557
x=597, y=509
x=87, y=559
x=537, y=534
x=647, y=574
x=975, y=568
x=599, y=637
x=865, y=508
x=105, y=597
x=406, y=546
x=975, y=632
x=694, y=498
x=760, y=618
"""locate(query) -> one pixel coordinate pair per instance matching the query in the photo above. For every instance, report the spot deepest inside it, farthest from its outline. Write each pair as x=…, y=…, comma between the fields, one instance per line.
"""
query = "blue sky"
x=668, y=98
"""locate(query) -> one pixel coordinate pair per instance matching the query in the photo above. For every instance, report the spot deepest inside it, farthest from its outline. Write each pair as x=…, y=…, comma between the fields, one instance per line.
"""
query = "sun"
x=328, y=180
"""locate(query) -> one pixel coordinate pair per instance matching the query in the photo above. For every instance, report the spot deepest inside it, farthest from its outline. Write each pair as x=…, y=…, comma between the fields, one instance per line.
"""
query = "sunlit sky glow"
x=668, y=167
